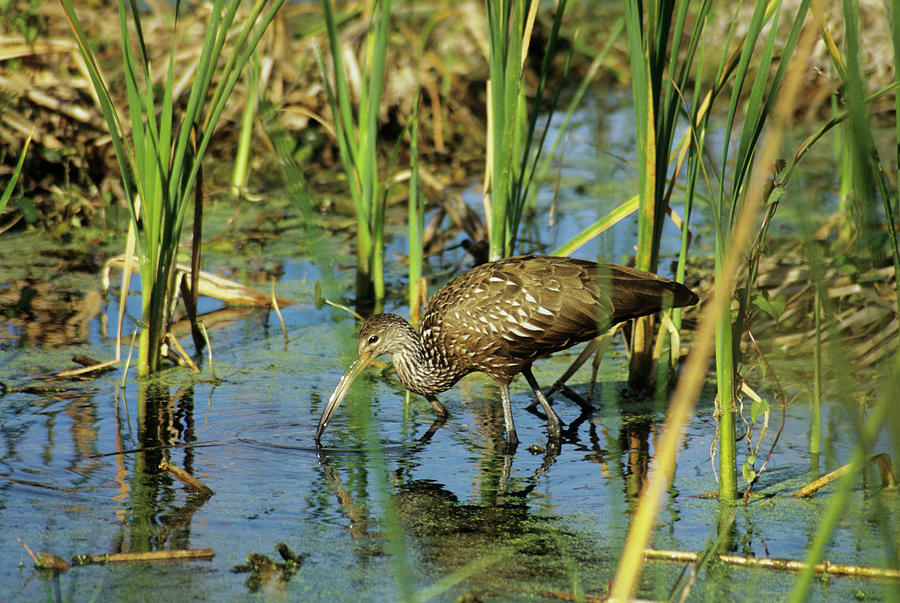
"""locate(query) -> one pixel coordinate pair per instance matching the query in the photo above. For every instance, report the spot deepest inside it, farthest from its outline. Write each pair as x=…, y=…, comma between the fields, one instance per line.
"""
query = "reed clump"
x=71, y=176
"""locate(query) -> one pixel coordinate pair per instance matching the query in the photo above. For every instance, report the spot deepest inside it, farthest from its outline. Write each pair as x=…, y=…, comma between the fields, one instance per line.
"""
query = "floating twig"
x=882, y=459
x=177, y=555
x=88, y=365
x=185, y=478
x=781, y=564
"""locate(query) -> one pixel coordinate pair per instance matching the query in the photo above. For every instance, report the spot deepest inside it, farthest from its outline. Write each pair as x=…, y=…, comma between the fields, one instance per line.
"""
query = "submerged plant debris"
x=263, y=571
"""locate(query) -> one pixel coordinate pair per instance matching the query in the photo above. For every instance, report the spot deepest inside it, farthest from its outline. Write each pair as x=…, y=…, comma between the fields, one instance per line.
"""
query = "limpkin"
x=499, y=317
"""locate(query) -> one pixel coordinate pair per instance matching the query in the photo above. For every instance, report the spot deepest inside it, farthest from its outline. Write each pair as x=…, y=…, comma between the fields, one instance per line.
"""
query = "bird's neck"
x=422, y=368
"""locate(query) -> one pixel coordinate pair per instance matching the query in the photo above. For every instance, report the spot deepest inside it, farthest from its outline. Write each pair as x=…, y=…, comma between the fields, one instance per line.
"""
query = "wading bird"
x=499, y=317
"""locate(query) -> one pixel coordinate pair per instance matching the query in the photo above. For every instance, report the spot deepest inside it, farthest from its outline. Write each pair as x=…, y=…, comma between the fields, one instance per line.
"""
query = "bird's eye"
x=373, y=339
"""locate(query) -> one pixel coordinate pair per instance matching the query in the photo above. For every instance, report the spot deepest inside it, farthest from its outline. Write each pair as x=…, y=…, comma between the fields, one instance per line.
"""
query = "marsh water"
x=394, y=505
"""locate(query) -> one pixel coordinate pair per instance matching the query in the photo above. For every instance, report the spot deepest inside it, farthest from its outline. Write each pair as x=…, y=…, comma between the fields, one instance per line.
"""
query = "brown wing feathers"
x=568, y=301
x=538, y=305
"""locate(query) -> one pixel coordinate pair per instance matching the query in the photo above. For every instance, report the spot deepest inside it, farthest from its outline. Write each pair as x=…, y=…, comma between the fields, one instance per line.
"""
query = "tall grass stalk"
x=895, y=35
x=416, y=220
x=814, y=259
x=696, y=138
x=242, y=158
x=754, y=189
x=657, y=85
x=661, y=61
x=867, y=177
x=756, y=110
x=357, y=137
x=395, y=535
x=858, y=151
x=514, y=150
x=371, y=477
x=858, y=160
x=615, y=215
x=815, y=423
x=158, y=163
x=693, y=375
x=895, y=39
x=836, y=506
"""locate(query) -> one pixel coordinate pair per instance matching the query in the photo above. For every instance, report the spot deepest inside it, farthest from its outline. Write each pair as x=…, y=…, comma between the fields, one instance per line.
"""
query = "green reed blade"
x=17, y=171
x=341, y=90
x=358, y=142
x=525, y=184
x=158, y=168
x=344, y=139
x=498, y=55
x=124, y=156
x=245, y=138
x=895, y=40
x=740, y=78
x=416, y=208
x=754, y=114
x=514, y=149
x=606, y=222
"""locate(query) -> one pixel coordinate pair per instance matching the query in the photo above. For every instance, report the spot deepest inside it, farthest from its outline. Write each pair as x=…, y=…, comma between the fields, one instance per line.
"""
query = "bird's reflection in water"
x=631, y=443
x=505, y=525
x=628, y=447
x=496, y=466
x=437, y=424
x=519, y=542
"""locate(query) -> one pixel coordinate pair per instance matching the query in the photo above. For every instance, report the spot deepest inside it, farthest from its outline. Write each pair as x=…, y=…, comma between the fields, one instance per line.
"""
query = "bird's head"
x=384, y=334
x=381, y=334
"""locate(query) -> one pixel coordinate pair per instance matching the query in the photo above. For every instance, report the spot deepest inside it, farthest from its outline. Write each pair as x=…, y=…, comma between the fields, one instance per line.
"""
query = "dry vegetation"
x=437, y=52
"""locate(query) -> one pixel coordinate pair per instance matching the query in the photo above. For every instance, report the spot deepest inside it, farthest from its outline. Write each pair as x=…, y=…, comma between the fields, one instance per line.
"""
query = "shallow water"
x=395, y=505
x=77, y=477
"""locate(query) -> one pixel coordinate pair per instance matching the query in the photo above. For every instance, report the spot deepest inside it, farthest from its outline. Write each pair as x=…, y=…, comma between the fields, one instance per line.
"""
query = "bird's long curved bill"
x=341, y=390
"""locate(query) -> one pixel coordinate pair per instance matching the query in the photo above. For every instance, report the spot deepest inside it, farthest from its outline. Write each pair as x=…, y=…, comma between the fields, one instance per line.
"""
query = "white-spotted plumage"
x=498, y=318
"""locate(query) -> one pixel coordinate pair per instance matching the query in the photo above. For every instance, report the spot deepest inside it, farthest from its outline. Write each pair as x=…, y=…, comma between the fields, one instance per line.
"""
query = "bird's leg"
x=596, y=346
x=512, y=439
x=595, y=365
x=553, y=422
x=437, y=406
x=582, y=358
